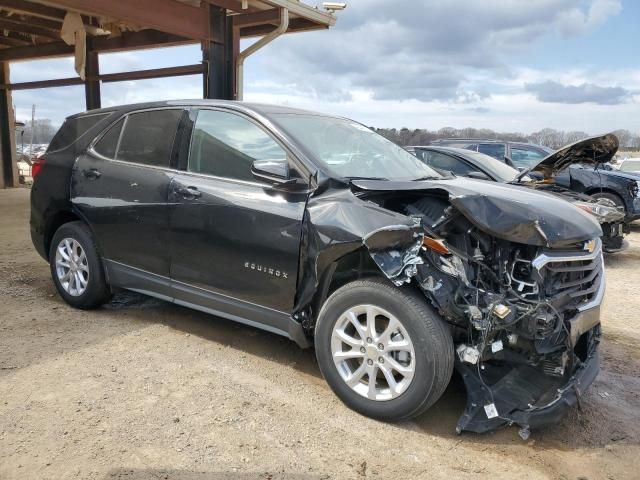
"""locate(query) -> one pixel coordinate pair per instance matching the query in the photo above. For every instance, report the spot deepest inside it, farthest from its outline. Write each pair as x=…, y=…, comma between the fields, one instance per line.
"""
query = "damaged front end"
x=520, y=290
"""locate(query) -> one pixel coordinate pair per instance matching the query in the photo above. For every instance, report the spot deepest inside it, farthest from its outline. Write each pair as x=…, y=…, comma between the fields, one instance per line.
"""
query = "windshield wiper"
x=368, y=178
x=429, y=177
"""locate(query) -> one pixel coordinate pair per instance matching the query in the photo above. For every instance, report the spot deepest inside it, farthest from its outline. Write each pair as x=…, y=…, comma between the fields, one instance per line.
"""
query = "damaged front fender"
x=337, y=223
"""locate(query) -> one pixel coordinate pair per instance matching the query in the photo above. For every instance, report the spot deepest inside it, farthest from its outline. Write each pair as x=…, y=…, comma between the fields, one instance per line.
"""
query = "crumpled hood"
x=505, y=211
x=593, y=150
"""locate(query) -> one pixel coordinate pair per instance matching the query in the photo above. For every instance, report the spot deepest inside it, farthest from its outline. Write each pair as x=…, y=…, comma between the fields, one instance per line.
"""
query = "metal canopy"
x=32, y=29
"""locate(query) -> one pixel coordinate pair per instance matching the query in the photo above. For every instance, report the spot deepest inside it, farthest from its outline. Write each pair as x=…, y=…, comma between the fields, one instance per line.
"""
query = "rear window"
x=74, y=128
x=495, y=150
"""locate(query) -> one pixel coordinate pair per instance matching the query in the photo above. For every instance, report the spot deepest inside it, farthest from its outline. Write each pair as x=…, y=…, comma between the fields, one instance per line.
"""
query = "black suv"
x=317, y=228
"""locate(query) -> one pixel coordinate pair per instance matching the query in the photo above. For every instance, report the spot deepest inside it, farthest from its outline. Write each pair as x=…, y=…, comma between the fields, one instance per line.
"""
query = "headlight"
x=636, y=189
x=601, y=212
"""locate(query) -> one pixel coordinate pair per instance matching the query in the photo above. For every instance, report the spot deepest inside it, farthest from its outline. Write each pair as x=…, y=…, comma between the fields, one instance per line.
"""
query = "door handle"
x=188, y=193
x=91, y=174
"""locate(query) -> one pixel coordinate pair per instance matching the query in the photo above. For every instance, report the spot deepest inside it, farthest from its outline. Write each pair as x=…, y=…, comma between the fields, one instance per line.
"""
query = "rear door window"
x=495, y=150
x=148, y=137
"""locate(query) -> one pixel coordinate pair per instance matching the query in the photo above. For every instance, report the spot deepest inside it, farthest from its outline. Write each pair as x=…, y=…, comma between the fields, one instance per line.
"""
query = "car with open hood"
x=577, y=172
x=463, y=162
x=316, y=228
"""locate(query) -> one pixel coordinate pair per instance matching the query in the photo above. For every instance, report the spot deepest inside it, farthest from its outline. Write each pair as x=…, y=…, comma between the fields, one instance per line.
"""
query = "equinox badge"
x=267, y=270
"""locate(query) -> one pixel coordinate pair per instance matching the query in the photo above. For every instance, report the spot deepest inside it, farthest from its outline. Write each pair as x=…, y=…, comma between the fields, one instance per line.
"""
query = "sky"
x=508, y=65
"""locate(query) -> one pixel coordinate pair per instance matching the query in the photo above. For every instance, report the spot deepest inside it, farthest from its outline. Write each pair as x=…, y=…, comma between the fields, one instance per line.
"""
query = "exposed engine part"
x=511, y=306
x=468, y=354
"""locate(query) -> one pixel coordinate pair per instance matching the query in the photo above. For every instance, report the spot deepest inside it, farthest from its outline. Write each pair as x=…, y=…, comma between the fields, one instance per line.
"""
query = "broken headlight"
x=603, y=213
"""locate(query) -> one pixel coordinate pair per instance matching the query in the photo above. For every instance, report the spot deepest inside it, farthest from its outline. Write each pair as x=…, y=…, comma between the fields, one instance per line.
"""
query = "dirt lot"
x=142, y=389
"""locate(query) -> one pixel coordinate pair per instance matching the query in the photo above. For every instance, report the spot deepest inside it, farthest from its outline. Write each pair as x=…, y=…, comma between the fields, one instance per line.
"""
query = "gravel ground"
x=143, y=389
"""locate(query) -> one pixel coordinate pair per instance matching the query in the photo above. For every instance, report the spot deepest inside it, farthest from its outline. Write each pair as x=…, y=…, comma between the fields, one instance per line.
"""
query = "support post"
x=8, y=163
x=91, y=83
x=217, y=55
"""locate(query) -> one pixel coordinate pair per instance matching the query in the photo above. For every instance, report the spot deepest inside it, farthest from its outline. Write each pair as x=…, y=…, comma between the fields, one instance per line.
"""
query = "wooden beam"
x=300, y=9
x=8, y=164
x=295, y=25
x=232, y=5
x=30, y=8
x=270, y=16
x=13, y=42
x=92, y=95
x=37, y=21
x=183, y=70
x=164, y=15
x=217, y=56
x=27, y=28
x=139, y=40
x=126, y=41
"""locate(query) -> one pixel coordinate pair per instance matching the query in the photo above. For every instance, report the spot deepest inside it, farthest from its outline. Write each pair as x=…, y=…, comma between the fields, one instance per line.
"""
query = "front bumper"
x=613, y=236
x=524, y=395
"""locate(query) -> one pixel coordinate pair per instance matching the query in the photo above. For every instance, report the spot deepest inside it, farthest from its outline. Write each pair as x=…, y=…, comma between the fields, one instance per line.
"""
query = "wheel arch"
x=352, y=266
x=610, y=191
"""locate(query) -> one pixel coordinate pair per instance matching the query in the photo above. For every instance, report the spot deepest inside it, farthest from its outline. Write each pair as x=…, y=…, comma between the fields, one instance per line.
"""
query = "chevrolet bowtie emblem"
x=590, y=246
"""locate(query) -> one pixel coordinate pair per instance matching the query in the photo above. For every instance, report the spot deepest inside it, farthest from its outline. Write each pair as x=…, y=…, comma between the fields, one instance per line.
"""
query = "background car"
x=467, y=163
x=598, y=181
x=516, y=154
x=630, y=165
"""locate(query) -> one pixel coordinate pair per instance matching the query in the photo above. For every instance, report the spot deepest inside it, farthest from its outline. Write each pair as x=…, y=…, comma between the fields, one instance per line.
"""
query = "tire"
x=611, y=196
x=432, y=356
x=91, y=290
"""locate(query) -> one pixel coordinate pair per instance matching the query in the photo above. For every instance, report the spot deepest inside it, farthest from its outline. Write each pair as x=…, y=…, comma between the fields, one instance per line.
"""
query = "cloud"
x=554, y=92
x=577, y=21
x=429, y=51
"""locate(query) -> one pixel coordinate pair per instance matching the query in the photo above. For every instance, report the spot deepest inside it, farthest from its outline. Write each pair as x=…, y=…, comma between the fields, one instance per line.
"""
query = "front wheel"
x=383, y=350
x=76, y=268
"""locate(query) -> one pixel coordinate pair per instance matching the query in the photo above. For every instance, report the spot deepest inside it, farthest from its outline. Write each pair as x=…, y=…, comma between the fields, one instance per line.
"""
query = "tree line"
x=547, y=137
x=43, y=131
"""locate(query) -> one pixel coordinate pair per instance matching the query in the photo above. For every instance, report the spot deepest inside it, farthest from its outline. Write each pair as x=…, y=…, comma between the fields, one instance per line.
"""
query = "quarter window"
x=108, y=144
x=225, y=145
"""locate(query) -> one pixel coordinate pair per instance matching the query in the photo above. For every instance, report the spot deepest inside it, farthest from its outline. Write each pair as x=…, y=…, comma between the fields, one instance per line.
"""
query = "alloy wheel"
x=373, y=352
x=72, y=267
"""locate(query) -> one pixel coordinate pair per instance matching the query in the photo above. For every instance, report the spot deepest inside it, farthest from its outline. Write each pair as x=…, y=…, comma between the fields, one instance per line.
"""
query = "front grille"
x=577, y=276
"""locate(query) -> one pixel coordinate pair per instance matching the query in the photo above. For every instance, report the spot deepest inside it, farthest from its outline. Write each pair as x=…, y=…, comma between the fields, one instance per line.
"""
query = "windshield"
x=630, y=166
x=350, y=150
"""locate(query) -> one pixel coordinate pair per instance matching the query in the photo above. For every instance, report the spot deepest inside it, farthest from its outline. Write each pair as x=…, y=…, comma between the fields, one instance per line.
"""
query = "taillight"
x=37, y=166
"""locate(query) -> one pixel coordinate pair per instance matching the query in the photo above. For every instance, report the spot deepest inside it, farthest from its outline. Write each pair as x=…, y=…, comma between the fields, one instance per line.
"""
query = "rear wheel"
x=383, y=350
x=76, y=268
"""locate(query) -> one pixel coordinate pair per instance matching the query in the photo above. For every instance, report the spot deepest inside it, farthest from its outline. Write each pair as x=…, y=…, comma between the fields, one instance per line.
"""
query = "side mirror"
x=508, y=161
x=275, y=171
x=478, y=175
